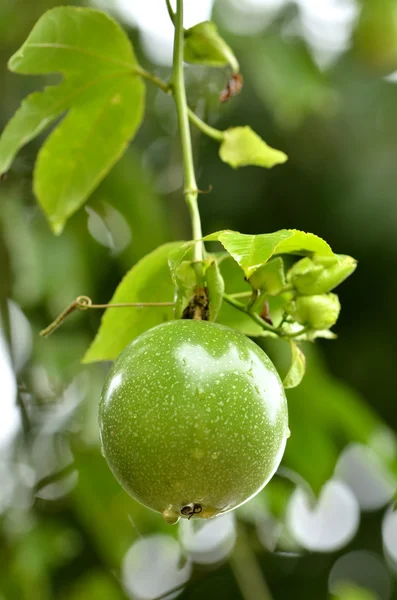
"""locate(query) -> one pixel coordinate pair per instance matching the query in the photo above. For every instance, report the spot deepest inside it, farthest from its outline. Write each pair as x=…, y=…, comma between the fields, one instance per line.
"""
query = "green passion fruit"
x=193, y=419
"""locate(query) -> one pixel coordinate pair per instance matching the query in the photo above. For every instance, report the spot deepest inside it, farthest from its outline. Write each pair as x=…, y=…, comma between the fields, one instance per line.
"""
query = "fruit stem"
x=178, y=84
x=247, y=571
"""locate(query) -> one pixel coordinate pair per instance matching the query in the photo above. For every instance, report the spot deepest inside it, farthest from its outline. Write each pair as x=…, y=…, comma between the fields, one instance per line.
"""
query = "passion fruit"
x=193, y=419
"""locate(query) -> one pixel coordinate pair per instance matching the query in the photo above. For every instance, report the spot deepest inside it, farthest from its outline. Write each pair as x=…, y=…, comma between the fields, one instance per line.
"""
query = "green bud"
x=320, y=274
x=317, y=312
x=204, y=45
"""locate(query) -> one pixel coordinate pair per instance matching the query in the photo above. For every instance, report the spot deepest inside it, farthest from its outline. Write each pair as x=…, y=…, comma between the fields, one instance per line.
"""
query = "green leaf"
x=182, y=252
x=242, y=147
x=84, y=147
x=204, y=45
x=184, y=277
x=36, y=113
x=234, y=284
x=148, y=281
x=252, y=251
x=270, y=278
x=69, y=39
x=297, y=369
x=216, y=289
x=101, y=90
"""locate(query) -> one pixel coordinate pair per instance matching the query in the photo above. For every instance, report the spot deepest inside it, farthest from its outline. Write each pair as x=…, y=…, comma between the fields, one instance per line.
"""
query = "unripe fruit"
x=193, y=419
x=317, y=312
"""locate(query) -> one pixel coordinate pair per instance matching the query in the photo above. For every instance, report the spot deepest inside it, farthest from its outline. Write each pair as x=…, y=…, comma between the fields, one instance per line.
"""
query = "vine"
x=104, y=88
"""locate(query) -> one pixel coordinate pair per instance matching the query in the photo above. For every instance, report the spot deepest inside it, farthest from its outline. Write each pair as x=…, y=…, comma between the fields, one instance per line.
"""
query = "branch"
x=178, y=83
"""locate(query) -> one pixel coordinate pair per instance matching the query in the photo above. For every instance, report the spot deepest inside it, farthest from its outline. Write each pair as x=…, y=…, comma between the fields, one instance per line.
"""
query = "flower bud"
x=317, y=312
x=320, y=274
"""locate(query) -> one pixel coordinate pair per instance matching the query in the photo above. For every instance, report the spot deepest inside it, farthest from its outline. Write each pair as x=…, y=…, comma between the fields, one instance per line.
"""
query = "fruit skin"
x=193, y=414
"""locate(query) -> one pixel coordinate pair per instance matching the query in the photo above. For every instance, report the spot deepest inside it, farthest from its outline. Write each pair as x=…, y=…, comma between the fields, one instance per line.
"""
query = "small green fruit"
x=193, y=419
x=317, y=312
x=320, y=274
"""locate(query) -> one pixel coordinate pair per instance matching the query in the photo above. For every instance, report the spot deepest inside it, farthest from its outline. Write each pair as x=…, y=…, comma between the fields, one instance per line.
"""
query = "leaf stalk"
x=84, y=302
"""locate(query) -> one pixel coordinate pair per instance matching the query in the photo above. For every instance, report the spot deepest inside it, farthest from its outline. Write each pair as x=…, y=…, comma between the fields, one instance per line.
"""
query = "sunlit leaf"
x=242, y=147
x=148, y=281
x=69, y=39
x=85, y=146
x=101, y=90
x=36, y=113
x=297, y=368
x=253, y=251
x=204, y=45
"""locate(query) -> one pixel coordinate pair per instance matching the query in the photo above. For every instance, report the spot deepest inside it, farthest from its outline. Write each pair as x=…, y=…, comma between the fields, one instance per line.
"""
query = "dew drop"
x=170, y=516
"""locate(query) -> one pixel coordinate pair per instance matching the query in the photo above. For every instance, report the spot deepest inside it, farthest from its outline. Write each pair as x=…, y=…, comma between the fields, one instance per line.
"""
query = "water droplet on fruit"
x=288, y=432
x=171, y=516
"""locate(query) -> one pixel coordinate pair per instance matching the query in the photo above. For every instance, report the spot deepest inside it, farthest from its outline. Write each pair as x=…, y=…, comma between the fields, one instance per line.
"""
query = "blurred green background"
x=320, y=84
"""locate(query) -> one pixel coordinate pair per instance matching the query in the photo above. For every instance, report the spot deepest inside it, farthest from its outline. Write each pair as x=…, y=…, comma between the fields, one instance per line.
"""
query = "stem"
x=298, y=333
x=163, y=85
x=241, y=295
x=242, y=308
x=170, y=11
x=213, y=133
x=247, y=571
x=178, y=82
